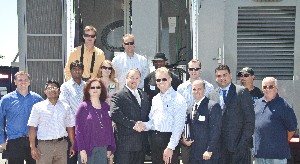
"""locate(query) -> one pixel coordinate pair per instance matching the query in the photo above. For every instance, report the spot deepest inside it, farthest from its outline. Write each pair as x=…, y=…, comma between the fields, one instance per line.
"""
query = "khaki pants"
x=53, y=152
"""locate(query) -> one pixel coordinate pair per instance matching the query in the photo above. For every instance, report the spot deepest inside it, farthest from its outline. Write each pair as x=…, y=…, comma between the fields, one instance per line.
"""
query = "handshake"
x=139, y=126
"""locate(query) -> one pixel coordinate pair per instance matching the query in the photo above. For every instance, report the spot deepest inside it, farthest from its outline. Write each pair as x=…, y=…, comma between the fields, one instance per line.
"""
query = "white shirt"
x=185, y=89
x=167, y=114
x=72, y=94
x=51, y=120
x=123, y=63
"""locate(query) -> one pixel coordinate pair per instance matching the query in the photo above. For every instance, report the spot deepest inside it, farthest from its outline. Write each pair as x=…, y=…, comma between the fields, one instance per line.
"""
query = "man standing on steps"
x=88, y=54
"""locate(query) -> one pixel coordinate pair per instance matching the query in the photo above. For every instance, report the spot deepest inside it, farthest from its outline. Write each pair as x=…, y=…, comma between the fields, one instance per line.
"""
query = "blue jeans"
x=270, y=161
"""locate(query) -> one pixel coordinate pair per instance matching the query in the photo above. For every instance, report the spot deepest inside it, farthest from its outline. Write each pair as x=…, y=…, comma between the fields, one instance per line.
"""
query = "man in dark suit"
x=205, y=122
x=129, y=106
x=238, y=120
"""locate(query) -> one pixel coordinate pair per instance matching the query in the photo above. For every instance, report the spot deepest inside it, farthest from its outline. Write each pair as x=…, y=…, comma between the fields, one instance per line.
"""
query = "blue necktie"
x=224, y=94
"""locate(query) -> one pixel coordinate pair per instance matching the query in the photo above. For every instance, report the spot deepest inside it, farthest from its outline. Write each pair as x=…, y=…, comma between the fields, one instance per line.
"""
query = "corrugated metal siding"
x=47, y=70
x=44, y=59
x=265, y=40
x=44, y=47
x=44, y=16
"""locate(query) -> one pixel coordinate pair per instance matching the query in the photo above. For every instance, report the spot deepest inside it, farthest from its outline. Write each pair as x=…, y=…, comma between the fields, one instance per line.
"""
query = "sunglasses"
x=194, y=69
x=109, y=68
x=163, y=79
x=98, y=87
x=268, y=87
x=245, y=75
x=128, y=43
x=52, y=88
x=87, y=35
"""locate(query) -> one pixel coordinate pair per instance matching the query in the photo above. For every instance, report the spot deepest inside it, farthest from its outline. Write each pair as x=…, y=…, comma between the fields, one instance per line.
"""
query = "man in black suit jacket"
x=238, y=119
x=205, y=127
x=128, y=106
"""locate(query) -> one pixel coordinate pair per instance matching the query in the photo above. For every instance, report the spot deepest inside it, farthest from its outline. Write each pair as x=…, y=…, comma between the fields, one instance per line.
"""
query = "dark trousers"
x=211, y=161
x=18, y=150
x=72, y=160
x=159, y=142
x=130, y=157
x=238, y=157
x=185, y=153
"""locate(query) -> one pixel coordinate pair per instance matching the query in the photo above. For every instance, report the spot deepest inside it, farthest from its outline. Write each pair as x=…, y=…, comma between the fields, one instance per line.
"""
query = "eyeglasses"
x=87, y=35
x=52, y=88
x=163, y=79
x=268, y=87
x=128, y=43
x=98, y=87
x=194, y=69
x=244, y=75
x=109, y=68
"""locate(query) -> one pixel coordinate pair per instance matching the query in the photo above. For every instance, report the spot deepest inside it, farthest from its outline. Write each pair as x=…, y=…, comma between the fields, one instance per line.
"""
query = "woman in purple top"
x=93, y=127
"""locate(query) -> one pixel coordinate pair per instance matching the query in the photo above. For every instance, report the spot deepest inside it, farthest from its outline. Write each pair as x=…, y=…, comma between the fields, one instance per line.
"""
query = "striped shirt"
x=122, y=63
x=168, y=115
x=51, y=120
x=72, y=94
x=185, y=89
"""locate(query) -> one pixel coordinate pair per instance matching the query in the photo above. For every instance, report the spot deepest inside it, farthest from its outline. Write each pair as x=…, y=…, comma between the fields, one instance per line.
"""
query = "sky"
x=8, y=31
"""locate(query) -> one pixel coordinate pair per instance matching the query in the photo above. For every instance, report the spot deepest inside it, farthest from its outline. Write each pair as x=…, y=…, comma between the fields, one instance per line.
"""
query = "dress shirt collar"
x=47, y=102
x=133, y=56
x=88, y=50
x=168, y=94
x=132, y=91
x=74, y=83
x=226, y=88
x=19, y=94
x=199, y=102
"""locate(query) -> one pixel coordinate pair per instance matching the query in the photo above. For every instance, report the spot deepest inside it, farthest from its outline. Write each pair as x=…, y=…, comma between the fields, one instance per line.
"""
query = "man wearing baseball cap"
x=246, y=78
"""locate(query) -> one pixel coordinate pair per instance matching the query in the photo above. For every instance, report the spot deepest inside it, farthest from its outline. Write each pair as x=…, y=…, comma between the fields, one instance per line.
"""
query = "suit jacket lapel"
x=231, y=93
x=131, y=96
x=200, y=107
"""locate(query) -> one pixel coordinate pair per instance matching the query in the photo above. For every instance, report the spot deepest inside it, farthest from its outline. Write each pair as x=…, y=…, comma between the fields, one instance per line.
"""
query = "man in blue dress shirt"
x=16, y=108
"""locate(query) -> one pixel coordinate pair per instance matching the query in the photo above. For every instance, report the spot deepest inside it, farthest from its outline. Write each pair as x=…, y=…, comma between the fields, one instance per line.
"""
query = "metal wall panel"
x=44, y=47
x=44, y=17
x=44, y=56
x=42, y=71
x=265, y=40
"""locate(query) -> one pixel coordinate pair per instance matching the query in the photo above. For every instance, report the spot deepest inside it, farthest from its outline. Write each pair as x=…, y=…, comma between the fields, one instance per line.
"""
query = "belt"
x=160, y=133
x=56, y=140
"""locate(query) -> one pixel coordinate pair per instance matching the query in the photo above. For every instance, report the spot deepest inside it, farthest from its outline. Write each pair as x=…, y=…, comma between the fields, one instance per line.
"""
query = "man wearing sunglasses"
x=166, y=120
x=275, y=124
x=185, y=89
x=246, y=78
x=88, y=54
x=150, y=87
x=237, y=120
x=129, y=60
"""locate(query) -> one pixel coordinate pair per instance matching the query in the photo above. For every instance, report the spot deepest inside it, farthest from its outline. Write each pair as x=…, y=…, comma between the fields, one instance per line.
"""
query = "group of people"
x=111, y=111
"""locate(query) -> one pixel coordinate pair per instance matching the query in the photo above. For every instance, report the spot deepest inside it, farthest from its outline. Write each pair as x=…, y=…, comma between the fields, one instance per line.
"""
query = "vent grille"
x=265, y=40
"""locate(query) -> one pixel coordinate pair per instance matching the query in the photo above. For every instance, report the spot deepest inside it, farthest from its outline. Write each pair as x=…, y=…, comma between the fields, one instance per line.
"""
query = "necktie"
x=195, y=111
x=224, y=95
x=137, y=96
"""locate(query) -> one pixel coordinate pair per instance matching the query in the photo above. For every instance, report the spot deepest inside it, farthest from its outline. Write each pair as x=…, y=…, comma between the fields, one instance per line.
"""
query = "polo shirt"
x=273, y=120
